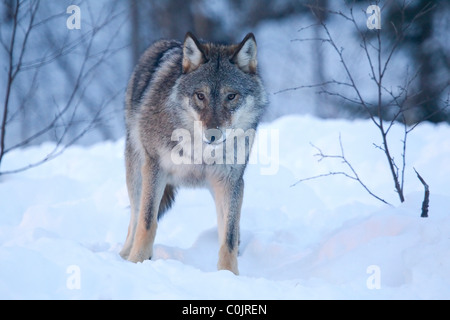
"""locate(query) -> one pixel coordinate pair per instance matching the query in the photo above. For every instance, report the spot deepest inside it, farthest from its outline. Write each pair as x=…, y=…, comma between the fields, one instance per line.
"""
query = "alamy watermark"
x=230, y=147
x=74, y=20
x=374, y=20
x=73, y=281
x=374, y=280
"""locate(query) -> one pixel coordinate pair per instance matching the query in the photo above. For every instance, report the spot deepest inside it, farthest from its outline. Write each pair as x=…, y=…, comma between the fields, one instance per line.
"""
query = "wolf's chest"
x=191, y=173
x=186, y=175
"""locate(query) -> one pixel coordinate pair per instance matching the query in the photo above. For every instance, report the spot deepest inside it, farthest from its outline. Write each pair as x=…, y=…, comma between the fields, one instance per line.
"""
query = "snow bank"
x=62, y=225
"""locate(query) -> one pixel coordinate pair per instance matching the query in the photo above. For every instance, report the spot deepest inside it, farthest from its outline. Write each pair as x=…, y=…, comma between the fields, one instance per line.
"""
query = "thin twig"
x=354, y=176
x=426, y=198
x=317, y=85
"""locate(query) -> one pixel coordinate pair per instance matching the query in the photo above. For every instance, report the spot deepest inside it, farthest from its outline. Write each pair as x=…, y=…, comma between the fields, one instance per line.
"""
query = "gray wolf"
x=185, y=103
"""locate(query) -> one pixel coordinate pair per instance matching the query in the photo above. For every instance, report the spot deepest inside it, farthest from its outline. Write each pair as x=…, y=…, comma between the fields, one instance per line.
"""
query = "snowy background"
x=63, y=224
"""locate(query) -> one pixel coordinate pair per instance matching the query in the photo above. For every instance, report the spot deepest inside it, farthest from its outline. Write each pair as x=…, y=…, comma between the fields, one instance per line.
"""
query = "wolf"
x=214, y=93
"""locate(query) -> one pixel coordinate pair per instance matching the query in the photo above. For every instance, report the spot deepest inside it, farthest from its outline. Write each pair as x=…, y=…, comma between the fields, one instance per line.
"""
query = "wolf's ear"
x=193, y=55
x=245, y=54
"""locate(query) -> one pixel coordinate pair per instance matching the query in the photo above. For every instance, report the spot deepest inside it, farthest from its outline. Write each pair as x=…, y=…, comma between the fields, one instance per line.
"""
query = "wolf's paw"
x=124, y=253
x=140, y=256
x=230, y=267
x=228, y=260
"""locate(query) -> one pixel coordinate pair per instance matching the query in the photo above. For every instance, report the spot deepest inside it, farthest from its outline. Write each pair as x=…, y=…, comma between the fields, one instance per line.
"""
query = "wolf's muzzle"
x=213, y=136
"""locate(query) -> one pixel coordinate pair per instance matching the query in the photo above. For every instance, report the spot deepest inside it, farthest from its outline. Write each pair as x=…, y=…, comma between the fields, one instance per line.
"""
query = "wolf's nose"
x=212, y=135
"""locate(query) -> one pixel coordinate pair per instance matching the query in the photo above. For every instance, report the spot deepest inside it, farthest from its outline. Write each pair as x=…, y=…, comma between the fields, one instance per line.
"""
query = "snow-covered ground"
x=62, y=224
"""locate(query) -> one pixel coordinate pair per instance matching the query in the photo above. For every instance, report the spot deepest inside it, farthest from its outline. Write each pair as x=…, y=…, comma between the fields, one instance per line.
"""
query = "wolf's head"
x=220, y=86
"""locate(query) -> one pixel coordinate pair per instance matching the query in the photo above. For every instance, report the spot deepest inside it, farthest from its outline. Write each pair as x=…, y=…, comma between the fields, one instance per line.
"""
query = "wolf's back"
x=156, y=68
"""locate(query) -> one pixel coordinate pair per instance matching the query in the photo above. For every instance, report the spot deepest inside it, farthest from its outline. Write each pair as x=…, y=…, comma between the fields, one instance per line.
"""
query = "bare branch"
x=446, y=106
x=33, y=11
x=9, y=81
x=426, y=199
x=318, y=85
x=379, y=58
x=307, y=27
x=353, y=176
x=60, y=147
x=66, y=119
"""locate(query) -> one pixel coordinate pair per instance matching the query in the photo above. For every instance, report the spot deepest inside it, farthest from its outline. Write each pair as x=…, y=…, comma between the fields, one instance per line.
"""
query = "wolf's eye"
x=231, y=96
x=200, y=96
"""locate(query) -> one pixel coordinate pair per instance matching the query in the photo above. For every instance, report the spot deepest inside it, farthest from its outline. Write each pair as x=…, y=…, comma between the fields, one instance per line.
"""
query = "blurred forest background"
x=67, y=86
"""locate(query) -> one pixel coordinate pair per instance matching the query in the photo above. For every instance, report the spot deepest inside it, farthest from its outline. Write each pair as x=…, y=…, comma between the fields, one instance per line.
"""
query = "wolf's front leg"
x=228, y=196
x=151, y=193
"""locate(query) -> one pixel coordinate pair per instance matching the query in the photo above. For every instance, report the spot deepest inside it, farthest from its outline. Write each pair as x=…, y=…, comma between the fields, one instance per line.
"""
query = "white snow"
x=62, y=225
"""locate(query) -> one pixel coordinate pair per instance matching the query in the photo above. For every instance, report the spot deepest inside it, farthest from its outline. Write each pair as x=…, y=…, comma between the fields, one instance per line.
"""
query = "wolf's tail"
x=167, y=200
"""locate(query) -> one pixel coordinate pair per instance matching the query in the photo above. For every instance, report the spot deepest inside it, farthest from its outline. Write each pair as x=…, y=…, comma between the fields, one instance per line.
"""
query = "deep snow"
x=62, y=224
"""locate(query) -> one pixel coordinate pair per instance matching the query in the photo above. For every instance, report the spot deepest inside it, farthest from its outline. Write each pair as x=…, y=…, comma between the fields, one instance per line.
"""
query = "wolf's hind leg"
x=134, y=182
